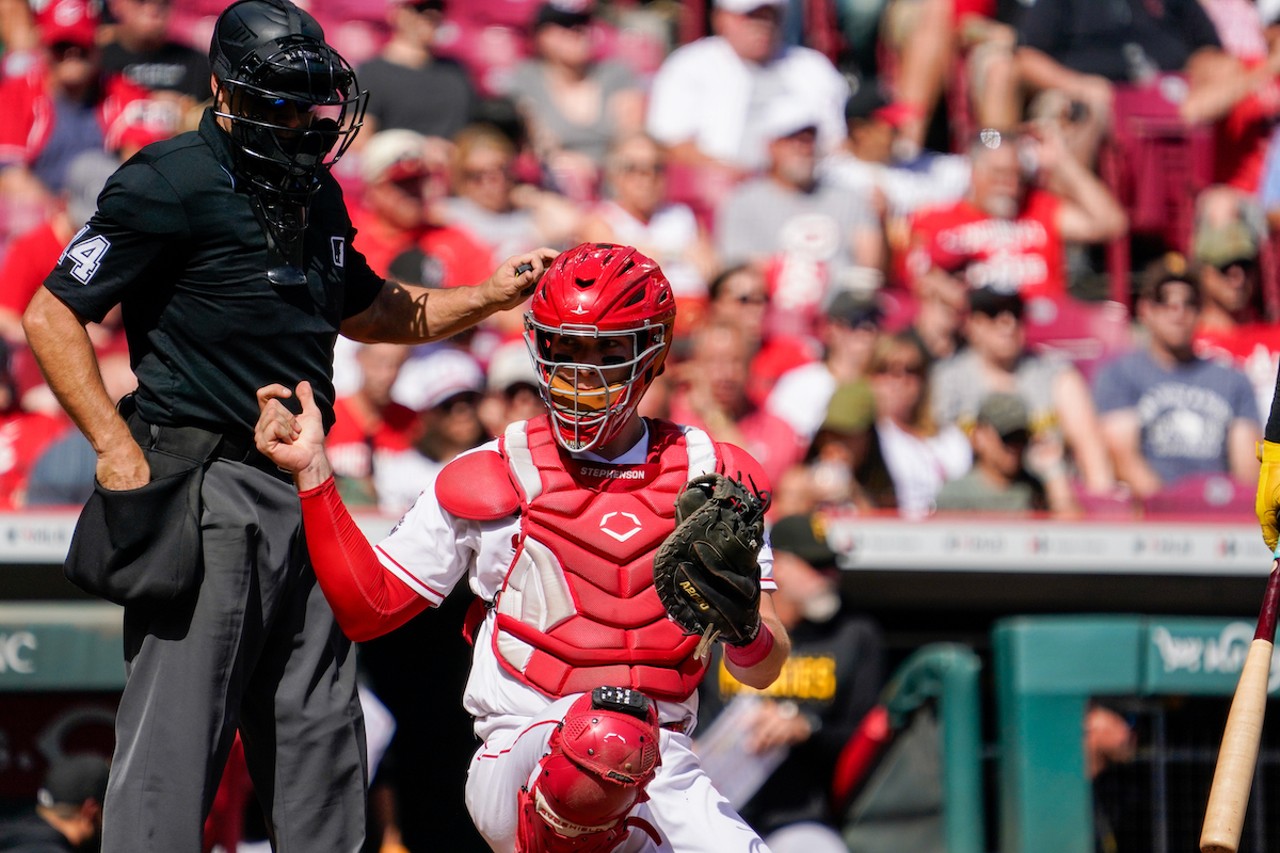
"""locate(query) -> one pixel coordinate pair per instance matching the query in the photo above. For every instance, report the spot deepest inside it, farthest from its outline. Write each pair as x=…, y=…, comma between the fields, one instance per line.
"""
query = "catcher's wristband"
x=753, y=652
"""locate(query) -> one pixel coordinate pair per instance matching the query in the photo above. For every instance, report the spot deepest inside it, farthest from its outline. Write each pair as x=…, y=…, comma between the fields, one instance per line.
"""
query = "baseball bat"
x=1238, y=755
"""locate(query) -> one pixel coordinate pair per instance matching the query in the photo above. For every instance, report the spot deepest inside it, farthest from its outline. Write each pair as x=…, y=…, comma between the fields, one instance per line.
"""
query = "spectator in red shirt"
x=59, y=108
x=712, y=395
x=23, y=435
x=33, y=253
x=1226, y=244
x=368, y=424
x=1010, y=230
x=404, y=179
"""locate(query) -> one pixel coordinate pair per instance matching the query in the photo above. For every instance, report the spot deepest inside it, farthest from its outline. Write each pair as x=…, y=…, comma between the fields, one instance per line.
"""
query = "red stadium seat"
x=1203, y=496
x=1087, y=333
x=1155, y=164
x=488, y=52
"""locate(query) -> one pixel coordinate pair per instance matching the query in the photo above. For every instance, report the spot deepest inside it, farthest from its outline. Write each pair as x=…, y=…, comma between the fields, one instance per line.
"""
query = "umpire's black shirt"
x=175, y=241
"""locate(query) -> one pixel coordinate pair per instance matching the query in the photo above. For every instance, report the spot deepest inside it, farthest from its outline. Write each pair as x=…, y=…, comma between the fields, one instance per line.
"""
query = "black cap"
x=864, y=101
x=854, y=309
x=805, y=536
x=992, y=301
x=72, y=779
x=562, y=13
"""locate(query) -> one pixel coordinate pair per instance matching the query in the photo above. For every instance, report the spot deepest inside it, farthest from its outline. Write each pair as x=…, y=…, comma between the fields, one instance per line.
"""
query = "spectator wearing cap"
x=511, y=388
x=843, y=466
x=831, y=679
x=1168, y=414
x=871, y=161
x=59, y=108
x=1226, y=245
x=369, y=428
x=409, y=86
x=443, y=385
x=1064, y=422
x=920, y=452
x=999, y=480
x=813, y=237
x=1011, y=230
x=574, y=104
x=139, y=49
x=709, y=96
x=68, y=809
x=34, y=252
x=850, y=327
x=404, y=177
x=636, y=211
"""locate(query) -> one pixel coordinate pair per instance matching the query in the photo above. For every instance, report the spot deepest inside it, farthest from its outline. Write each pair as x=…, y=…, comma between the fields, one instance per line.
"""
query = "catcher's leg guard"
x=603, y=754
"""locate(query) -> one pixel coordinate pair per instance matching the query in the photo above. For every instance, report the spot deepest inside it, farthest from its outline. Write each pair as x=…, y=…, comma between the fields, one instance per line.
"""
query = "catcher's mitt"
x=706, y=571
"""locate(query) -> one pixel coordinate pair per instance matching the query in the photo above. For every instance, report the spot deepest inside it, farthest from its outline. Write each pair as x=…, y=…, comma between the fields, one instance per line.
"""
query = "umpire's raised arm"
x=409, y=314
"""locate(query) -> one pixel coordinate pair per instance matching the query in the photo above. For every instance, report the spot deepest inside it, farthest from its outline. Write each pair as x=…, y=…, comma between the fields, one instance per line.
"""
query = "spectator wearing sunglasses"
x=636, y=211
x=920, y=452
x=999, y=480
x=1167, y=413
x=1234, y=325
x=1064, y=423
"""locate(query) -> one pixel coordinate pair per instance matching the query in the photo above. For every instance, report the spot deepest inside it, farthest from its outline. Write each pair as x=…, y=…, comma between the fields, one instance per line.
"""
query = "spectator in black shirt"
x=141, y=51
x=408, y=86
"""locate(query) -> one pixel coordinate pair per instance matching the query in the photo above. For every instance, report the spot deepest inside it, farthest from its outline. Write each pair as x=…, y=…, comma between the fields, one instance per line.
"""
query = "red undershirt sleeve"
x=367, y=600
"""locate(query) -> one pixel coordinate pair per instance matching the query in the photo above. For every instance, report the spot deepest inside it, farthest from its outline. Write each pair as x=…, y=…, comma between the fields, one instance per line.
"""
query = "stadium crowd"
x=930, y=256
x=875, y=216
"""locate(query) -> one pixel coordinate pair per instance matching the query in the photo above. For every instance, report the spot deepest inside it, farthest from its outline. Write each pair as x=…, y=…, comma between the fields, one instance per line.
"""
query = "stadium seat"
x=488, y=52
x=1087, y=333
x=1203, y=496
x=1155, y=164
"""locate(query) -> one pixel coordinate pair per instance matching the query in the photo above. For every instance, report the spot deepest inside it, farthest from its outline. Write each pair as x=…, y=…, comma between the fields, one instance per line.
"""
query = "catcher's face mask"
x=592, y=381
x=598, y=328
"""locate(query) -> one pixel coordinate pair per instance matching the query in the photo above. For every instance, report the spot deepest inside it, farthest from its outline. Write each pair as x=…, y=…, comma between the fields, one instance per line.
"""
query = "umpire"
x=230, y=251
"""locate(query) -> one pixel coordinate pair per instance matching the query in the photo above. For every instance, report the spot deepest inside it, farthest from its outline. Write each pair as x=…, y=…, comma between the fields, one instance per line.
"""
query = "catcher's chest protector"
x=578, y=608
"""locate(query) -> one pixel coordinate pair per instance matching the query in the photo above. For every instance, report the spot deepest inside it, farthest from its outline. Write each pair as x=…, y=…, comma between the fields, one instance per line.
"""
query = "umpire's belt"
x=193, y=443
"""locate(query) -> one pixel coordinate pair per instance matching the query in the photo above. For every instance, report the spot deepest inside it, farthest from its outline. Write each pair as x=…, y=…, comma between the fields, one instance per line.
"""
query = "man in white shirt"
x=709, y=96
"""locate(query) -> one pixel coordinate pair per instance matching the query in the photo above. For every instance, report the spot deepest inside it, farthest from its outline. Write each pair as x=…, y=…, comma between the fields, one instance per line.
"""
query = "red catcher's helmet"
x=596, y=290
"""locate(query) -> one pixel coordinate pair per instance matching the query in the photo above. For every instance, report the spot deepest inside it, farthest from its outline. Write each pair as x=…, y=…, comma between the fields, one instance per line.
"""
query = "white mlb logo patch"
x=339, y=245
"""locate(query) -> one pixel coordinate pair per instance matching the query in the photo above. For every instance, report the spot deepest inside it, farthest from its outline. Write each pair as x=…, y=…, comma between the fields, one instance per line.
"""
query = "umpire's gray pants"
x=257, y=649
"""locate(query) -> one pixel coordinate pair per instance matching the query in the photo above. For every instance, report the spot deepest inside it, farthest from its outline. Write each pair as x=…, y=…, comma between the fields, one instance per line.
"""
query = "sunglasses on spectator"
x=1185, y=304
x=993, y=311
x=637, y=168
x=1017, y=438
x=1246, y=265
x=68, y=50
x=475, y=176
x=899, y=370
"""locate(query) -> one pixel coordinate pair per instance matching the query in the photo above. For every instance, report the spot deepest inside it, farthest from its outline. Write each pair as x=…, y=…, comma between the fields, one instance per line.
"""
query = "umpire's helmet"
x=292, y=102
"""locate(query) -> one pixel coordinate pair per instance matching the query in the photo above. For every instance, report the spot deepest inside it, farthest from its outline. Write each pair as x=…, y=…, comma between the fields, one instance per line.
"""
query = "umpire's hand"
x=514, y=279
x=295, y=443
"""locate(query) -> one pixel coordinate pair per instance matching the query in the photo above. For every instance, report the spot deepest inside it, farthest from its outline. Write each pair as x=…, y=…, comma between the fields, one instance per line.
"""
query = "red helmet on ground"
x=598, y=290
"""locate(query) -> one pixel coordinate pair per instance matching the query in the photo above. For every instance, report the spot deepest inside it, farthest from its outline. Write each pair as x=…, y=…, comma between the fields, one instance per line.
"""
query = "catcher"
x=605, y=550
